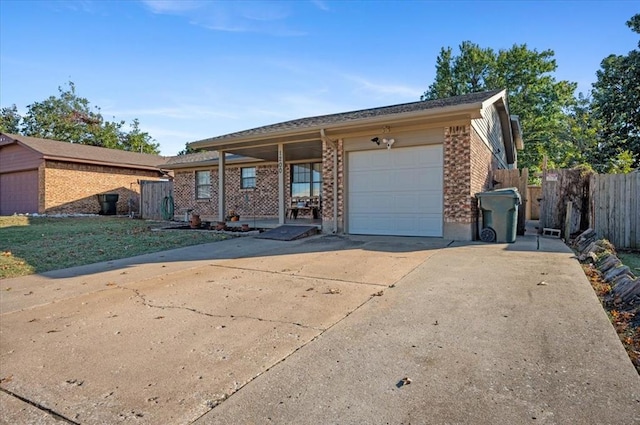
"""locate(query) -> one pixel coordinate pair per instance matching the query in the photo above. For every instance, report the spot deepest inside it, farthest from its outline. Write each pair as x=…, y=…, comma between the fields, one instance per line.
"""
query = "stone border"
x=625, y=286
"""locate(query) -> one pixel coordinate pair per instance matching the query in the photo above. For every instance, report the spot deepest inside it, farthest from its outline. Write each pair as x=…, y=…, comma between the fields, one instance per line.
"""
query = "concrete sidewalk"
x=486, y=334
x=320, y=330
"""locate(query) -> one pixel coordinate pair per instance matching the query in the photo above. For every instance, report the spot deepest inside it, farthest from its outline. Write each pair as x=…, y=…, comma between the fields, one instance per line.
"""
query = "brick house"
x=51, y=177
x=409, y=169
x=251, y=185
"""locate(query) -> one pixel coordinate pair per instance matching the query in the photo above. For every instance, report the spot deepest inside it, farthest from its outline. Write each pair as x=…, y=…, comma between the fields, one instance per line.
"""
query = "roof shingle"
x=323, y=120
x=80, y=153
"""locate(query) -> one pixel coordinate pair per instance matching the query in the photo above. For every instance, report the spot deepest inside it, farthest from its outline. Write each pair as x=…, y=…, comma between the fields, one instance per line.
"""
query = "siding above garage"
x=16, y=158
x=490, y=131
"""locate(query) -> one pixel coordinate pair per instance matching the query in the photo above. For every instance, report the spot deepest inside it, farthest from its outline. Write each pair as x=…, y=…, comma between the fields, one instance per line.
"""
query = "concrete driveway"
x=322, y=330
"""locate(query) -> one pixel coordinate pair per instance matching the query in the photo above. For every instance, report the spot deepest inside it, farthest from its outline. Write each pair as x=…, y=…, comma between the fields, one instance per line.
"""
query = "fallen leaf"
x=333, y=291
x=543, y=283
x=111, y=284
x=378, y=294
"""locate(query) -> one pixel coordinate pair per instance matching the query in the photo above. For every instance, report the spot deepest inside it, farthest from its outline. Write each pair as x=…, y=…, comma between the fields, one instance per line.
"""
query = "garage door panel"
x=397, y=203
x=398, y=225
x=19, y=192
x=396, y=191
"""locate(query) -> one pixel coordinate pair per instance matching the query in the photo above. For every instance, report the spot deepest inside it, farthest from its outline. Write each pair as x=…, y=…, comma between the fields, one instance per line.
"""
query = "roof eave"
x=472, y=109
x=157, y=169
x=210, y=163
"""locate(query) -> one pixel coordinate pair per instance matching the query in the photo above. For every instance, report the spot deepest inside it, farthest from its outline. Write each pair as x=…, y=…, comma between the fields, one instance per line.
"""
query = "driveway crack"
x=38, y=406
x=332, y=279
x=147, y=303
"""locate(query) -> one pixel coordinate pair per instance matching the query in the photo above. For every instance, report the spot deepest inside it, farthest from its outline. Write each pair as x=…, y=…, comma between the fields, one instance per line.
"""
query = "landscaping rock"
x=614, y=272
x=625, y=286
x=608, y=262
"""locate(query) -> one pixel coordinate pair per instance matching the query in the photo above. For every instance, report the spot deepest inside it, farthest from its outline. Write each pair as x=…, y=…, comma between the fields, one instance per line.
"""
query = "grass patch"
x=631, y=259
x=39, y=244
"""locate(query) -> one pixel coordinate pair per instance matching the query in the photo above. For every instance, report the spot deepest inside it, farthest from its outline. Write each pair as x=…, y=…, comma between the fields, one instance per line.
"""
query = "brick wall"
x=328, y=153
x=260, y=202
x=482, y=166
x=72, y=188
x=468, y=169
x=457, y=175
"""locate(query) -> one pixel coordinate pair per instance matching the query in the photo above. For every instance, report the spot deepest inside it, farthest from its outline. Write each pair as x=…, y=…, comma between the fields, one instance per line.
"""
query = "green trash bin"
x=499, y=209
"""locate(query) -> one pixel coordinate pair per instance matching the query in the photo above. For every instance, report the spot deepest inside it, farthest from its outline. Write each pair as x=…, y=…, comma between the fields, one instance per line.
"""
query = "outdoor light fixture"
x=389, y=142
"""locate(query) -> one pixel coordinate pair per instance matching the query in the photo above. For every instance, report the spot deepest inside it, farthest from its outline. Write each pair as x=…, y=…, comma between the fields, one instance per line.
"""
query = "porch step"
x=288, y=233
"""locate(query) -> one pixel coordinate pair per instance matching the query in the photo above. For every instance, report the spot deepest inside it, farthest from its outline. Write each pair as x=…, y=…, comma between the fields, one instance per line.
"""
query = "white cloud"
x=268, y=17
x=385, y=89
x=322, y=5
x=177, y=112
x=171, y=7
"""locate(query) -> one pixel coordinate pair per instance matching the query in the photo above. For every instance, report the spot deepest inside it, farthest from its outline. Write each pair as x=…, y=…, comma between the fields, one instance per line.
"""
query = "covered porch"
x=300, y=177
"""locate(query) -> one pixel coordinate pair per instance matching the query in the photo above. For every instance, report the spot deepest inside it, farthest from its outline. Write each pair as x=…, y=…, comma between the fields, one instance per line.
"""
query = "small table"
x=293, y=211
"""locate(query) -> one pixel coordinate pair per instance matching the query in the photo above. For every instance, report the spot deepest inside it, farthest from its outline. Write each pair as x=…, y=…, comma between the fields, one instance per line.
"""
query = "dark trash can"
x=108, y=203
x=499, y=210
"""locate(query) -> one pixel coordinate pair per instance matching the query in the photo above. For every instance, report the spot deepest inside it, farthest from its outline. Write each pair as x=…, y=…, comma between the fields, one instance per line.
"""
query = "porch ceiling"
x=298, y=151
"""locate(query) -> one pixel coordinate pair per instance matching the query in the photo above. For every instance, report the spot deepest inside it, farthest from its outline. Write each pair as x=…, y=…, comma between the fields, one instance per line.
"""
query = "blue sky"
x=189, y=70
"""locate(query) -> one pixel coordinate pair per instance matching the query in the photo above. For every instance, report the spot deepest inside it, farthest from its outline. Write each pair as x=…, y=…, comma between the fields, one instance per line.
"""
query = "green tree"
x=71, y=118
x=616, y=104
x=188, y=150
x=541, y=102
x=582, y=132
x=137, y=140
x=466, y=73
x=10, y=120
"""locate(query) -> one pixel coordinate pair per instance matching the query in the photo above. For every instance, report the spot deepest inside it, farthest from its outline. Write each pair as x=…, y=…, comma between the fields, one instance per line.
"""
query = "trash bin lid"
x=511, y=192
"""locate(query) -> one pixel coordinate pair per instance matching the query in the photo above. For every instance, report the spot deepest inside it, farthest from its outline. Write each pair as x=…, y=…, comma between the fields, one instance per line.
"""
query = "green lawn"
x=39, y=244
x=631, y=259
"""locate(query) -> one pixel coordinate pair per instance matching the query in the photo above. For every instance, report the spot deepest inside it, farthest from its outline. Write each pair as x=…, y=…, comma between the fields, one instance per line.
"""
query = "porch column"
x=281, y=207
x=221, y=178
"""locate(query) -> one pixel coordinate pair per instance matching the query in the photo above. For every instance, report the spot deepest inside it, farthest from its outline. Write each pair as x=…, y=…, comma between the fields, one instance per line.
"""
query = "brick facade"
x=328, y=152
x=468, y=169
x=457, y=176
x=72, y=187
x=482, y=167
x=259, y=202
x=468, y=166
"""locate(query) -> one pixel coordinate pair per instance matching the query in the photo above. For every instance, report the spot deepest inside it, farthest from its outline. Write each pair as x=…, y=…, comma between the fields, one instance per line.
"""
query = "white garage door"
x=396, y=191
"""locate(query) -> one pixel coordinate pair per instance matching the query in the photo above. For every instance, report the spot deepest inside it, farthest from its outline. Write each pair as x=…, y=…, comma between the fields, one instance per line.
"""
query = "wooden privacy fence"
x=559, y=187
x=152, y=199
x=515, y=178
x=615, y=208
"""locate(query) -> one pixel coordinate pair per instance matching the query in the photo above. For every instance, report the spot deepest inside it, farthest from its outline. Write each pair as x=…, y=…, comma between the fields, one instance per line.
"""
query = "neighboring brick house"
x=409, y=169
x=51, y=177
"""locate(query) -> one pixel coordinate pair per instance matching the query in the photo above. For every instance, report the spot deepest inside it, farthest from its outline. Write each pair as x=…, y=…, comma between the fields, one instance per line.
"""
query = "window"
x=203, y=185
x=248, y=178
x=306, y=179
